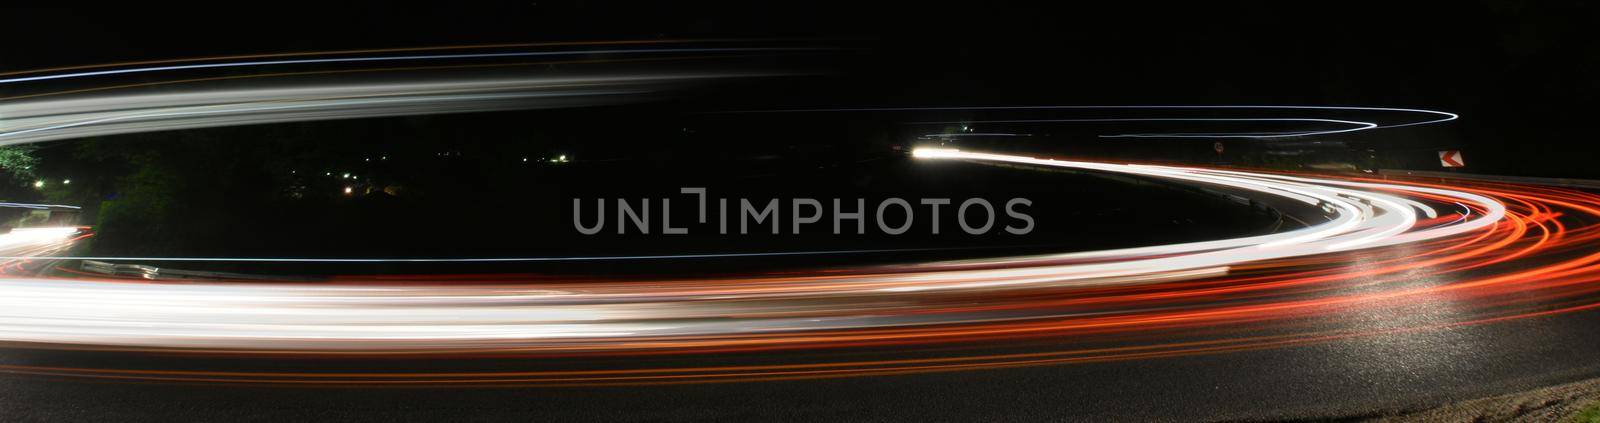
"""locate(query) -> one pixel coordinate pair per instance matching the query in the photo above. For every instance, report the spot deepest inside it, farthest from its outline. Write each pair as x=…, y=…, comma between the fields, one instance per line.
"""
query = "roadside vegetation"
x=1589, y=414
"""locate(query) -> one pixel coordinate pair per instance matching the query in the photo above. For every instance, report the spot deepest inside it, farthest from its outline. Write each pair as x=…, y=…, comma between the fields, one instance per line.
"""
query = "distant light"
x=366, y=159
x=38, y=184
x=384, y=158
x=328, y=174
x=348, y=190
x=66, y=182
x=347, y=176
x=524, y=159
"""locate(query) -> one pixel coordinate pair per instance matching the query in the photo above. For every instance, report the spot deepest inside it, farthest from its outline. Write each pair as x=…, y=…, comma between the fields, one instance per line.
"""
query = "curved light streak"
x=258, y=63
x=1434, y=117
x=756, y=310
x=36, y=206
x=1503, y=247
x=1354, y=126
x=1501, y=252
x=376, y=50
x=44, y=120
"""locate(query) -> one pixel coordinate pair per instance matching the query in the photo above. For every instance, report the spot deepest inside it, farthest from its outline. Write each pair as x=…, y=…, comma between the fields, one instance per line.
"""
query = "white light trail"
x=258, y=63
x=599, y=316
x=1429, y=117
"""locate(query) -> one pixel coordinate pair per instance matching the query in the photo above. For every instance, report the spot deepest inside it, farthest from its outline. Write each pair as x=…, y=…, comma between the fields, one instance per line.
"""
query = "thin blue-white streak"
x=1355, y=126
x=390, y=58
x=1439, y=116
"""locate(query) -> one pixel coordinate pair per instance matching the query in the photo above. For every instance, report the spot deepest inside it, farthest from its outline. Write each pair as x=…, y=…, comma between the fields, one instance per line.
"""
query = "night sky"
x=1522, y=75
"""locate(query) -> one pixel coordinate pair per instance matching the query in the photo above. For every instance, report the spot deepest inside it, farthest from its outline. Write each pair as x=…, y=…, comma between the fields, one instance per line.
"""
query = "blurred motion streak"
x=1276, y=279
x=1494, y=252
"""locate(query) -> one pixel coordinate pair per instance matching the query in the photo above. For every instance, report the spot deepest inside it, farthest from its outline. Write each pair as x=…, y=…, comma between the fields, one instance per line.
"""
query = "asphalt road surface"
x=1336, y=379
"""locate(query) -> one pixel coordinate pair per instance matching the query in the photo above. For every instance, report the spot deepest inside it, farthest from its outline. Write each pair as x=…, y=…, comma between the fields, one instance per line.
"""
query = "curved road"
x=1397, y=294
x=1494, y=296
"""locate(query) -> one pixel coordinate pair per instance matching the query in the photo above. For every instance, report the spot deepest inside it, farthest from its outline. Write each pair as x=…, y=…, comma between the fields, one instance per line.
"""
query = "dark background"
x=1522, y=74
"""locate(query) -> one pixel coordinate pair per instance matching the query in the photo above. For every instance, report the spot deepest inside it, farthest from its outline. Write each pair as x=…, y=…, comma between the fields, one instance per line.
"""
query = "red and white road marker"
x=1451, y=158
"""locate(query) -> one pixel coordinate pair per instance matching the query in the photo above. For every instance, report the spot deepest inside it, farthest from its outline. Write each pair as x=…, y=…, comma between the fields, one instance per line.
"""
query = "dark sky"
x=1522, y=75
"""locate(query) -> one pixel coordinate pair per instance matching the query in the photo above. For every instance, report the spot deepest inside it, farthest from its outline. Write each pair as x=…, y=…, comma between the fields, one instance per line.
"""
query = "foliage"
x=1590, y=414
x=19, y=162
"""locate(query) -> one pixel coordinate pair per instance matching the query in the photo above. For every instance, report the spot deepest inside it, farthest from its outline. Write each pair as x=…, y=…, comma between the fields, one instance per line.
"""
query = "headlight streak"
x=380, y=50
x=1432, y=116
x=1509, y=252
x=365, y=70
x=1150, y=291
x=80, y=115
x=35, y=206
x=1353, y=126
x=259, y=63
x=37, y=121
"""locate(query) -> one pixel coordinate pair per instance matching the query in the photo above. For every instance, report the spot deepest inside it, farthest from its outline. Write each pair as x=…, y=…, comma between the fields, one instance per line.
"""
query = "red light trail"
x=1538, y=259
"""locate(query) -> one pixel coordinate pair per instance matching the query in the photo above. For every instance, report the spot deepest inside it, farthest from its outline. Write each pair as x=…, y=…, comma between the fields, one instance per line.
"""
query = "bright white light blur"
x=606, y=315
x=935, y=153
x=129, y=112
x=32, y=236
